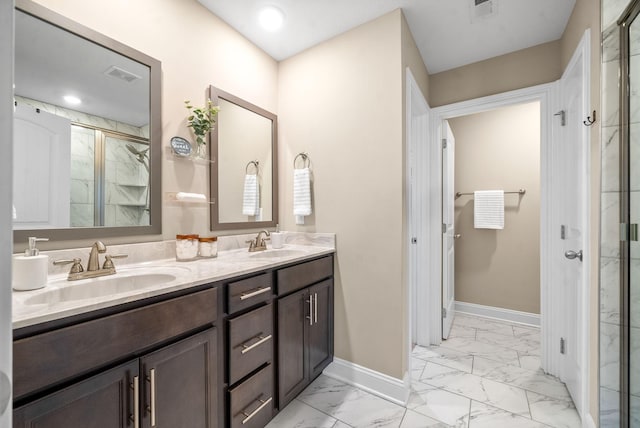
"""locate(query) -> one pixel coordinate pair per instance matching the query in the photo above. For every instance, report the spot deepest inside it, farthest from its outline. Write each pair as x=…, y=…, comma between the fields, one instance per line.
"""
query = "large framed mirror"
x=87, y=132
x=244, y=170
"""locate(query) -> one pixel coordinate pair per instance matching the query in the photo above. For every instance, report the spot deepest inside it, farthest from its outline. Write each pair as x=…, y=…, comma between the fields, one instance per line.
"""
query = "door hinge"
x=563, y=120
x=444, y=143
x=628, y=232
x=414, y=240
x=562, y=345
x=444, y=312
x=444, y=228
x=563, y=231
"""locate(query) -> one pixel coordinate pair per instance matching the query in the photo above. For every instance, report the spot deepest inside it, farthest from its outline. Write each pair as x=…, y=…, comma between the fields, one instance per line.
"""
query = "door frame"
x=417, y=113
x=548, y=95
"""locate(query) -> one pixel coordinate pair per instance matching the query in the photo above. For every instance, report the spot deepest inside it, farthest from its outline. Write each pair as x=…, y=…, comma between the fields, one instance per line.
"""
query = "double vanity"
x=225, y=342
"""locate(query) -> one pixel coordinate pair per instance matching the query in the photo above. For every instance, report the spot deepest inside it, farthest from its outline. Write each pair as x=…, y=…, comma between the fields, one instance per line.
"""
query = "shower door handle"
x=573, y=255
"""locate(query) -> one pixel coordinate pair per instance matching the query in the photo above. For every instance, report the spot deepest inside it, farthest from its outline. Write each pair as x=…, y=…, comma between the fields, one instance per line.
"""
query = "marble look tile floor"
x=487, y=374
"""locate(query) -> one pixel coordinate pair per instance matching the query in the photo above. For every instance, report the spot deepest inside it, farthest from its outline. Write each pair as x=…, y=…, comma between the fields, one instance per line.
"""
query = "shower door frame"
x=628, y=17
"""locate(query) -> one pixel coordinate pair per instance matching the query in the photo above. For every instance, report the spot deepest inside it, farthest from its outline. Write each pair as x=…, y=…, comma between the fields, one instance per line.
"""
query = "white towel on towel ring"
x=302, y=192
x=251, y=197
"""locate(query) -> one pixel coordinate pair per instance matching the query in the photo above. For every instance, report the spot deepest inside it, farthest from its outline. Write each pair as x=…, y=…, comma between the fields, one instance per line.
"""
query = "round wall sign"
x=180, y=146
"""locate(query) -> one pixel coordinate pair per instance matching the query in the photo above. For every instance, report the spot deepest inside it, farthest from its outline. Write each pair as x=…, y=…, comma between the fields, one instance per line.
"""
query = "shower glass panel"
x=633, y=292
x=631, y=183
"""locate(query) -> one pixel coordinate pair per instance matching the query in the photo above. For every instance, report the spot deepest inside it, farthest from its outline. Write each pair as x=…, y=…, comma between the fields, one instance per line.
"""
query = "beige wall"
x=521, y=69
x=499, y=149
x=196, y=49
x=341, y=102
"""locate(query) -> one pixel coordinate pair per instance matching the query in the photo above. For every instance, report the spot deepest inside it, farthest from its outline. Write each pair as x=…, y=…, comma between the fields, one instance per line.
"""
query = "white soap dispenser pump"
x=30, y=270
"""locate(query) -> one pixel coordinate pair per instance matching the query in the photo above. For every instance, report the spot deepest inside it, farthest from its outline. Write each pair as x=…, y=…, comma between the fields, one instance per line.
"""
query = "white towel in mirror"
x=251, y=197
x=488, y=209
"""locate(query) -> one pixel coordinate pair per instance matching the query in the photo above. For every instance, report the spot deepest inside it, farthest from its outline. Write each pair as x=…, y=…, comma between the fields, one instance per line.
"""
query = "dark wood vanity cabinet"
x=102, y=401
x=179, y=385
x=169, y=377
x=228, y=355
x=250, y=352
x=171, y=387
x=305, y=326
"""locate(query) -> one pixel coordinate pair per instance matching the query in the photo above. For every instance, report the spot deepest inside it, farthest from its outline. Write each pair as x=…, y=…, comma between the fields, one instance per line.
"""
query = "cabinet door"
x=103, y=401
x=292, y=342
x=321, y=331
x=180, y=384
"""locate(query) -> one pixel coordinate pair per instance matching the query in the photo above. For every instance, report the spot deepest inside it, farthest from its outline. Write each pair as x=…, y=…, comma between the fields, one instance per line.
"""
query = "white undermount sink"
x=100, y=287
x=274, y=254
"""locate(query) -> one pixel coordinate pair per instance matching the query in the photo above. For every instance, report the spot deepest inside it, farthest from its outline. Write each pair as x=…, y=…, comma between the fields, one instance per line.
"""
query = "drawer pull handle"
x=247, y=348
x=256, y=411
x=152, y=407
x=136, y=402
x=315, y=309
x=245, y=296
x=310, y=317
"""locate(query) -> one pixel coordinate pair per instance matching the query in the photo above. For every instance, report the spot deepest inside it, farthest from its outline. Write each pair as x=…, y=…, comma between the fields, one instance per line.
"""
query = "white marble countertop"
x=164, y=276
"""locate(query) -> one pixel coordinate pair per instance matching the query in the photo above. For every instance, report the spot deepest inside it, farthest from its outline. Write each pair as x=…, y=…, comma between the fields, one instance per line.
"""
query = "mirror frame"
x=155, y=128
x=214, y=95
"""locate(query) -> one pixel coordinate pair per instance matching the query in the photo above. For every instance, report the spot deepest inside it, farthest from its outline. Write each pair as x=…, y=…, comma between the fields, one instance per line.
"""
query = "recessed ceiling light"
x=271, y=18
x=70, y=99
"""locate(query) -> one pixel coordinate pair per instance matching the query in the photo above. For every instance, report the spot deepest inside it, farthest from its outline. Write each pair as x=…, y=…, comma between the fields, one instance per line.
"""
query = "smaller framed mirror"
x=244, y=170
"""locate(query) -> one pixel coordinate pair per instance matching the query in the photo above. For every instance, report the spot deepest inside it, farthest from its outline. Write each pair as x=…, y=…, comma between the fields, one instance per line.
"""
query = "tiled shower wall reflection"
x=126, y=181
x=126, y=177
x=610, y=218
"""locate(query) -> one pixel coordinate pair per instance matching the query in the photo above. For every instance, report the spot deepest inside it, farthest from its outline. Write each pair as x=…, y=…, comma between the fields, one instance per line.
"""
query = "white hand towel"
x=488, y=209
x=251, y=197
x=301, y=192
x=191, y=197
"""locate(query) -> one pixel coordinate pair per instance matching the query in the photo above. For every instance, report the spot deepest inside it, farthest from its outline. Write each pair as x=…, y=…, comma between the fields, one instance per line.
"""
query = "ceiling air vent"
x=481, y=9
x=122, y=74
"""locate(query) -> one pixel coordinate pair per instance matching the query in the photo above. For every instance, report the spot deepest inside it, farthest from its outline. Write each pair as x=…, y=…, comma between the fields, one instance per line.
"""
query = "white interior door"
x=448, y=233
x=572, y=183
x=41, y=185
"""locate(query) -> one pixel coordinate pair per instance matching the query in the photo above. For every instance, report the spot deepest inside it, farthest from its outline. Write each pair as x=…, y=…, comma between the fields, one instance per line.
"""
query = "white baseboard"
x=382, y=385
x=498, y=313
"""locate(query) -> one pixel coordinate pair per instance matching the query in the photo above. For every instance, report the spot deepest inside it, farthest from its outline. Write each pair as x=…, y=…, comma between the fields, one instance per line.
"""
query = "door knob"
x=456, y=236
x=572, y=255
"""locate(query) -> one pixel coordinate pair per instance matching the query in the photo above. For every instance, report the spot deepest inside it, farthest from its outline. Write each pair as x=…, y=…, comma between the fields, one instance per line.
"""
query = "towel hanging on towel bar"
x=488, y=209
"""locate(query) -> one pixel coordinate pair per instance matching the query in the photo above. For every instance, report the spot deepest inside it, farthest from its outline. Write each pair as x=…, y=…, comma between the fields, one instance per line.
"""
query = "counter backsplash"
x=163, y=250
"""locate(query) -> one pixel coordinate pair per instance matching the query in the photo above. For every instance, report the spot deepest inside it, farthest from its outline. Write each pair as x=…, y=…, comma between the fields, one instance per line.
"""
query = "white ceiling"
x=51, y=62
x=444, y=31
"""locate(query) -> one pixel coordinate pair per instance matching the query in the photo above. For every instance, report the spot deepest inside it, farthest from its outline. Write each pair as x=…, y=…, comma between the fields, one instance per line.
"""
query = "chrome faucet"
x=258, y=244
x=93, y=265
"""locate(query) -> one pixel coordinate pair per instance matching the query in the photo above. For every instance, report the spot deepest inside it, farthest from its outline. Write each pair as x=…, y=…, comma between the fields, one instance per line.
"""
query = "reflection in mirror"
x=244, y=175
x=86, y=122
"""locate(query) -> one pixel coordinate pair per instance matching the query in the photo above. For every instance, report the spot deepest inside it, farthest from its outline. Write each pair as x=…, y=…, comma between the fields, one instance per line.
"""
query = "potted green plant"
x=201, y=121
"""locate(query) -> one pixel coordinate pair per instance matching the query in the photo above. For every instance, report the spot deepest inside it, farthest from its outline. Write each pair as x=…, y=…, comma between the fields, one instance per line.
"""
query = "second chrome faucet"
x=259, y=243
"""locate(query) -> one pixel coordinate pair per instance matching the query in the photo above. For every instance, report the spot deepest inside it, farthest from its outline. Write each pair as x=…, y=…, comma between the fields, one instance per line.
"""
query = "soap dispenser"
x=30, y=270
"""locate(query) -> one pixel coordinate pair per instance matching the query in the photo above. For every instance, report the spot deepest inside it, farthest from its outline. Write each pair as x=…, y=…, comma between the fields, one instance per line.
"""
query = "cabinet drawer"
x=49, y=358
x=250, y=342
x=251, y=402
x=299, y=276
x=248, y=292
